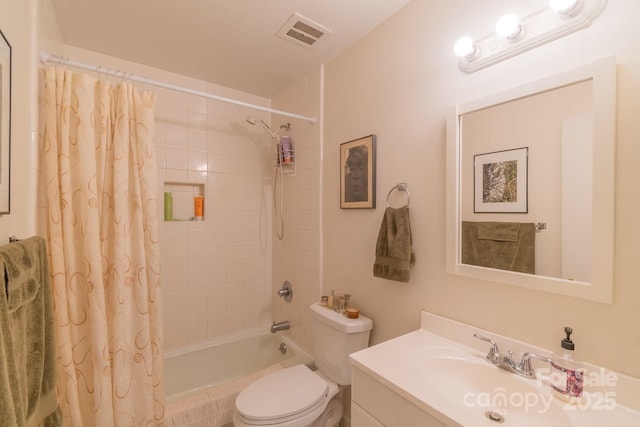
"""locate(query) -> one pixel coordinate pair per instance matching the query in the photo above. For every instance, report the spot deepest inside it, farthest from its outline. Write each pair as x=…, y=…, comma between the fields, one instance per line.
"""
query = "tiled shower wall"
x=298, y=256
x=216, y=272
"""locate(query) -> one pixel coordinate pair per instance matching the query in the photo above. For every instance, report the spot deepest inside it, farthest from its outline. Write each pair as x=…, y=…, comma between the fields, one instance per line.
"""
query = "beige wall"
x=398, y=83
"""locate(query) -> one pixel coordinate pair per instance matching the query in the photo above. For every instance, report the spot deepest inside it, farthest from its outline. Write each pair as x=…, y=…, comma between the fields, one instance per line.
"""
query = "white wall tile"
x=175, y=137
x=216, y=162
x=197, y=140
x=176, y=158
x=196, y=160
x=197, y=104
x=176, y=100
x=197, y=177
x=213, y=267
x=174, y=175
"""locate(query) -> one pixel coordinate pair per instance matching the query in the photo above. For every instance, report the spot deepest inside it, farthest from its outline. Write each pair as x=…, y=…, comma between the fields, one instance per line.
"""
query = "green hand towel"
x=394, y=247
x=27, y=346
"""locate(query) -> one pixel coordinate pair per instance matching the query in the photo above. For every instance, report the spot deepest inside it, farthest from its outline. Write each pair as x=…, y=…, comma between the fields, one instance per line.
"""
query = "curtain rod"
x=45, y=57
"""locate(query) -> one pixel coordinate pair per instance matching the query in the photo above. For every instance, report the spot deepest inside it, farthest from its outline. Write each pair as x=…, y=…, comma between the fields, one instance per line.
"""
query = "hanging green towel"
x=394, y=248
x=27, y=346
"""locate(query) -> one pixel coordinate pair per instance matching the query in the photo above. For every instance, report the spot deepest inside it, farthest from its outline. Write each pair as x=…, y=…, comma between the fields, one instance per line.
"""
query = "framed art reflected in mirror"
x=5, y=123
x=500, y=181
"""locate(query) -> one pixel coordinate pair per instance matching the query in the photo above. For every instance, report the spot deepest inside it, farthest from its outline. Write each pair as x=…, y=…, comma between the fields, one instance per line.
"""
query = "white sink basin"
x=454, y=383
x=470, y=382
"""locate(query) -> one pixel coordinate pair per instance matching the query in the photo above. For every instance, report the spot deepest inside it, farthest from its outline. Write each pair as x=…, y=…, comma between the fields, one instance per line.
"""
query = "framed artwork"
x=500, y=181
x=358, y=173
x=5, y=122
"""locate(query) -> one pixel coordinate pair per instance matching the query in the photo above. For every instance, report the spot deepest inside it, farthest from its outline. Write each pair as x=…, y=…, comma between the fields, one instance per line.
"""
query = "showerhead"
x=253, y=121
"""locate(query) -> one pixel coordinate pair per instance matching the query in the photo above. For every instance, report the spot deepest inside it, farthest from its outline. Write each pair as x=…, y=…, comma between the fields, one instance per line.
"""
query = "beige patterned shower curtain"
x=100, y=178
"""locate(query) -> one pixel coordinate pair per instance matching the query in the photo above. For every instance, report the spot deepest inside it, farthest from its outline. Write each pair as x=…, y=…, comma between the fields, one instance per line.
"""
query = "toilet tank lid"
x=340, y=322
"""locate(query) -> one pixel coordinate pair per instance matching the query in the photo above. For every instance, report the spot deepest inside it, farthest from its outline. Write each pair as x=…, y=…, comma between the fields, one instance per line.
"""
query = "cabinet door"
x=361, y=418
x=386, y=406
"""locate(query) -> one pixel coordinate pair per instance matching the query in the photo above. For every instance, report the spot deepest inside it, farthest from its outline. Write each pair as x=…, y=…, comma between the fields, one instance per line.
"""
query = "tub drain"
x=494, y=416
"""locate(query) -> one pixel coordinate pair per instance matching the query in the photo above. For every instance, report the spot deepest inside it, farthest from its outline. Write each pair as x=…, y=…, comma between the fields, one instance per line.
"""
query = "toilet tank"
x=335, y=337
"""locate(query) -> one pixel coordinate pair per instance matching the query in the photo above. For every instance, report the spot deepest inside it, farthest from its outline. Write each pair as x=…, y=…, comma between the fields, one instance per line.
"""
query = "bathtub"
x=201, y=384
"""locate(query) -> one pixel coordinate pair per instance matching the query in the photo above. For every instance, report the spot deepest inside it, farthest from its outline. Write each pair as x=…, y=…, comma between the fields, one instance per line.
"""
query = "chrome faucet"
x=523, y=369
x=493, y=356
x=280, y=326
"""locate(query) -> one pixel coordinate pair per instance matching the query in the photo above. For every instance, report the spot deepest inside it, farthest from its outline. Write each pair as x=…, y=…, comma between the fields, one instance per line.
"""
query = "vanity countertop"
x=441, y=369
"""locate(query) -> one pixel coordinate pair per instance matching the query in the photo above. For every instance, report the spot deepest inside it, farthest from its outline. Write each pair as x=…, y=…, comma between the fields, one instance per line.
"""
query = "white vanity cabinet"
x=438, y=376
x=373, y=404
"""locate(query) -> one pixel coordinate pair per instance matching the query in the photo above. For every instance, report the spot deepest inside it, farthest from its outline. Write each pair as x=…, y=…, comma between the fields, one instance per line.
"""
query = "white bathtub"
x=201, y=384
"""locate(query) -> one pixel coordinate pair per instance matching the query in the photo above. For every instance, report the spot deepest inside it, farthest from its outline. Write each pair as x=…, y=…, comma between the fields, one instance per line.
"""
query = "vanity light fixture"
x=509, y=27
x=565, y=7
x=512, y=37
x=465, y=48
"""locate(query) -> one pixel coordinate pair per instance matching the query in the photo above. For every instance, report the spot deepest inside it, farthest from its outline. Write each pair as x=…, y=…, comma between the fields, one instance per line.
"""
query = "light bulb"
x=563, y=6
x=509, y=27
x=464, y=47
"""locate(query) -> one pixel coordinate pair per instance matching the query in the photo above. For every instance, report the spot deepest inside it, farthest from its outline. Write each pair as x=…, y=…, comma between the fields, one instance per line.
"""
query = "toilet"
x=297, y=396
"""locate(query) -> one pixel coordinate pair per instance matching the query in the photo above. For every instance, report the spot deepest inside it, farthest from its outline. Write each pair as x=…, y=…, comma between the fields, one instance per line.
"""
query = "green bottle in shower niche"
x=168, y=206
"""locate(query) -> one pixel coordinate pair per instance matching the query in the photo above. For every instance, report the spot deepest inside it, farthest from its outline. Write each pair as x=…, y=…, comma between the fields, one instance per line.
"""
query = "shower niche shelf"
x=183, y=203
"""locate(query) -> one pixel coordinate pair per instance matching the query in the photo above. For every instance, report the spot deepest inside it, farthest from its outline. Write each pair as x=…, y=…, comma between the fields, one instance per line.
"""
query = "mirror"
x=531, y=182
x=5, y=123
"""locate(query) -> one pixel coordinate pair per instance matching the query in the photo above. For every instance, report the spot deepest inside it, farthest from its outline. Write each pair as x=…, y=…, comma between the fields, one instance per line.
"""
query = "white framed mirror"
x=554, y=230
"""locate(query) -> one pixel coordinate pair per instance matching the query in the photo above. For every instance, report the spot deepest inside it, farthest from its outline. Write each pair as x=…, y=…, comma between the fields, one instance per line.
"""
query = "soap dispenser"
x=567, y=374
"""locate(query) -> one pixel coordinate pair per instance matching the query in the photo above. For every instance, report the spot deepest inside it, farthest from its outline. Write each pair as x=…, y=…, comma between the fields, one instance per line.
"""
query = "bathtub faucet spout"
x=280, y=326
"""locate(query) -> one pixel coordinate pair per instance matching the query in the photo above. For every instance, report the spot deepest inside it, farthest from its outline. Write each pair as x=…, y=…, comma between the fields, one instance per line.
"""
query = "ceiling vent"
x=302, y=31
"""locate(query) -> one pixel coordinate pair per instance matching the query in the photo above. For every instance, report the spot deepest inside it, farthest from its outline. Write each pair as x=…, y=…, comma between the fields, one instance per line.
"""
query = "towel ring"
x=402, y=186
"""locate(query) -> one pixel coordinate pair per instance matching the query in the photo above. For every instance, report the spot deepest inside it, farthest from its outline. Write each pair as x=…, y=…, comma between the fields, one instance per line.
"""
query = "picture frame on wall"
x=5, y=124
x=358, y=173
x=500, y=181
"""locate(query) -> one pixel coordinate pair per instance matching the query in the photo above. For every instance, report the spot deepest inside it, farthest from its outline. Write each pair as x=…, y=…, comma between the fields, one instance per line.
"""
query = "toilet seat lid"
x=287, y=393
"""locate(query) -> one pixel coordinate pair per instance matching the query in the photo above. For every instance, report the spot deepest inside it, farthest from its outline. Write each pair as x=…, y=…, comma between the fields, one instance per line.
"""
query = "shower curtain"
x=100, y=179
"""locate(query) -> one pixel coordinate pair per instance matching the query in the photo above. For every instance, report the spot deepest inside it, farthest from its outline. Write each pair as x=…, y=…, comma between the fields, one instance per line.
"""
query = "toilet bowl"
x=297, y=396
x=292, y=397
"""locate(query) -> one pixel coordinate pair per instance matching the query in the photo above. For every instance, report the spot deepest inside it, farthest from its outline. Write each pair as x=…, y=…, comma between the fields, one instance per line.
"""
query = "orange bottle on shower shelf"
x=198, y=207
